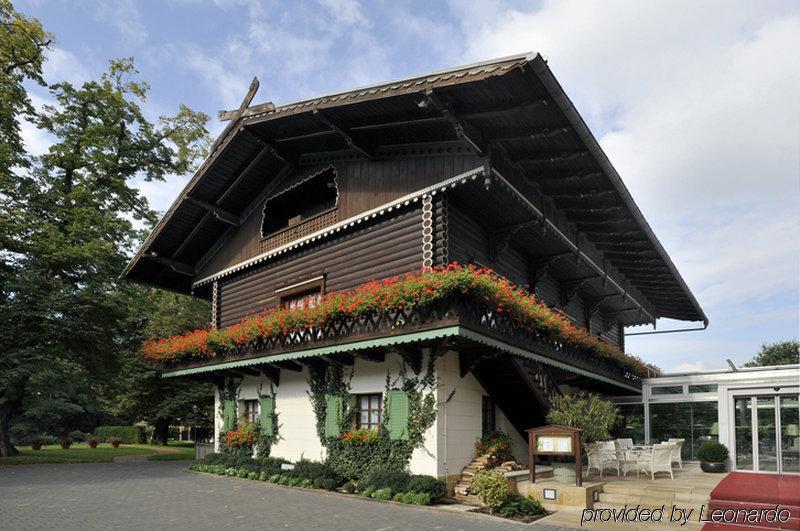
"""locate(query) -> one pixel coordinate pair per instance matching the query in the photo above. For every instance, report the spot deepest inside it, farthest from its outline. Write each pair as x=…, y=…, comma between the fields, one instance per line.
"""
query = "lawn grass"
x=77, y=453
x=81, y=453
x=178, y=452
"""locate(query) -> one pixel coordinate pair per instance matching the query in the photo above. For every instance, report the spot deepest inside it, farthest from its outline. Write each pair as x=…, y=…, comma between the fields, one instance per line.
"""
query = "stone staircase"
x=617, y=495
x=461, y=489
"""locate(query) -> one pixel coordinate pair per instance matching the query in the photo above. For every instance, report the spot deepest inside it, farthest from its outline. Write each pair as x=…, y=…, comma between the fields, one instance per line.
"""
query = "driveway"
x=161, y=495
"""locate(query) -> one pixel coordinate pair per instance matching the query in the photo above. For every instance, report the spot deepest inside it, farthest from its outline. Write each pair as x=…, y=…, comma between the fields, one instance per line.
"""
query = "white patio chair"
x=602, y=456
x=676, y=452
x=658, y=460
x=625, y=443
x=627, y=460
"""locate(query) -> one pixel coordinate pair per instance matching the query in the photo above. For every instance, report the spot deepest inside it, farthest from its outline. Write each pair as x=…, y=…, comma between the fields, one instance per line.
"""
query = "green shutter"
x=228, y=414
x=333, y=410
x=398, y=414
x=265, y=415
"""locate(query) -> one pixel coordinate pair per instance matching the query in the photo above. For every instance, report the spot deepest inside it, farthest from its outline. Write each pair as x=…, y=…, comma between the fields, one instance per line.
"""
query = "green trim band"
x=450, y=331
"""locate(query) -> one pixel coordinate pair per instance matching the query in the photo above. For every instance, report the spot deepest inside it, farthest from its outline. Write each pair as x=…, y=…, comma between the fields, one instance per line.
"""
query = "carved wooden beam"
x=344, y=134
x=273, y=373
x=464, y=131
x=289, y=365
x=220, y=214
x=347, y=360
x=178, y=267
x=412, y=356
x=377, y=356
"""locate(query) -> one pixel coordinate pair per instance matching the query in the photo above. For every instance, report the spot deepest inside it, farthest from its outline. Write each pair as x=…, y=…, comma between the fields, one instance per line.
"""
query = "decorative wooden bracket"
x=344, y=134
x=178, y=267
x=220, y=214
x=412, y=356
x=468, y=361
x=539, y=267
x=289, y=365
x=377, y=356
x=569, y=290
x=464, y=131
x=273, y=373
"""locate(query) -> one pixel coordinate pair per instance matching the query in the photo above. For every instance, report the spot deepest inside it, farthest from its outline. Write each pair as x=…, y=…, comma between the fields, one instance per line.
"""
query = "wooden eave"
x=512, y=109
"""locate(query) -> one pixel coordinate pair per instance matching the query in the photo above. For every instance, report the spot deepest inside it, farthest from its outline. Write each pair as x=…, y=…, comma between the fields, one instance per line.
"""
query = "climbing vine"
x=355, y=453
x=265, y=441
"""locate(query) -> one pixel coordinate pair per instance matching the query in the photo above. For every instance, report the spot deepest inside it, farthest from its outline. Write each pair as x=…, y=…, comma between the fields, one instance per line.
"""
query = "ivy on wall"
x=268, y=427
x=354, y=454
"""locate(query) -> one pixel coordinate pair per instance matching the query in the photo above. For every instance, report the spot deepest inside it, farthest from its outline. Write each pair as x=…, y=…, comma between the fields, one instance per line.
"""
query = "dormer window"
x=303, y=200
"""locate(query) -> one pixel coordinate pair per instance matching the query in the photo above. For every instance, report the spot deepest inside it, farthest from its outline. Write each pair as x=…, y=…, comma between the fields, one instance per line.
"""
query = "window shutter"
x=398, y=414
x=228, y=414
x=333, y=409
x=265, y=415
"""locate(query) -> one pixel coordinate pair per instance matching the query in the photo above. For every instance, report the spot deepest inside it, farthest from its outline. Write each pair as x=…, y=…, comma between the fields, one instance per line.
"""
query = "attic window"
x=303, y=201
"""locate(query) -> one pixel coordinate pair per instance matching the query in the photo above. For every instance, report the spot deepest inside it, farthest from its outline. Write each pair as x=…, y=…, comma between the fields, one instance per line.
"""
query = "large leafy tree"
x=70, y=222
x=140, y=392
x=779, y=353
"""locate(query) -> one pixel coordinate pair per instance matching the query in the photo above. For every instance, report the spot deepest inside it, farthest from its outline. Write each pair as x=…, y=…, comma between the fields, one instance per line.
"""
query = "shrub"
x=415, y=498
x=252, y=475
x=270, y=465
x=242, y=472
x=591, y=413
x=436, y=488
x=125, y=434
x=497, y=445
x=383, y=494
x=78, y=436
x=65, y=441
x=313, y=470
x=712, y=451
x=350, y=487
x=274, y=478
x=307, y=484
x=326, y=483
x=491, y=487
x=397, y=480
x=517, y=506
x=399, y=496
x=368, y=491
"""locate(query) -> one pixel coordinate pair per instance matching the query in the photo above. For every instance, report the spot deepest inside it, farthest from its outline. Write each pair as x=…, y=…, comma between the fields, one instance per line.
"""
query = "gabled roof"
x=512, y=110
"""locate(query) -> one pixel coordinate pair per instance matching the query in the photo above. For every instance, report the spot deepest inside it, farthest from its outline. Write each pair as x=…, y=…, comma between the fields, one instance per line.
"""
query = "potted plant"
x=114, y=442
x=91, y=441
x=712, y=455
x=65, y=442
x=36, y=444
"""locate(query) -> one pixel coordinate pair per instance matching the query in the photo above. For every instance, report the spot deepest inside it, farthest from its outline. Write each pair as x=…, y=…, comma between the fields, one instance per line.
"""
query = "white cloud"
x=124, y=16
x=63, y=65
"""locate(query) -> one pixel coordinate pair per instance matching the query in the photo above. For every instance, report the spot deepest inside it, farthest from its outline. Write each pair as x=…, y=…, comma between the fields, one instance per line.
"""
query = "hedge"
x=125, y=434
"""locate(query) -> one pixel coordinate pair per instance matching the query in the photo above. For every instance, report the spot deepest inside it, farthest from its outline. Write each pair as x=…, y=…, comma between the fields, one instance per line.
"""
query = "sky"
x=696, y=103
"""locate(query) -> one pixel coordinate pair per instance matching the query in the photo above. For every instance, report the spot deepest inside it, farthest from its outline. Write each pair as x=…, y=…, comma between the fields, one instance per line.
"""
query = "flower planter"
x=712, y=467
x=65, y=445
x=36, y=446
x=92, y=444
x=115, y=444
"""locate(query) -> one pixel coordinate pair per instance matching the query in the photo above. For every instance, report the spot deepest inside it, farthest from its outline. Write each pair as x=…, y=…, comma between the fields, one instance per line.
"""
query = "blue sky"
x=696, y=104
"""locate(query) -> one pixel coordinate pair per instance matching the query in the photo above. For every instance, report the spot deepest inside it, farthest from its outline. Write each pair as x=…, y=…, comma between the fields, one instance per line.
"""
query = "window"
x=667, y=390
x=251, y=410
x=487, y=415
x=307, y=198
x=703, y=388
x=632, y=424
x=369, y=411
x=696, y=422
x=304, y=295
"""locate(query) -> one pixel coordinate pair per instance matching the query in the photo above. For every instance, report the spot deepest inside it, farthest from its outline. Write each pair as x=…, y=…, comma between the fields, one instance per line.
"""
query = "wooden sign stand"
x=555, y=440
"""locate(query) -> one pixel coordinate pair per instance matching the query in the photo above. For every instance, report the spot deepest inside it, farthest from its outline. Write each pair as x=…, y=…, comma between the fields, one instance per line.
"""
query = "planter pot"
x=92, y=444
x=36, y=446
x=65, y=446
x=115, y=444
x=714, y=467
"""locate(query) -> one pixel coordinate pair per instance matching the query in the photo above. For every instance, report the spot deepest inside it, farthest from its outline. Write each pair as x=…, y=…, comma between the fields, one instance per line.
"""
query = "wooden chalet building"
x=487, y=164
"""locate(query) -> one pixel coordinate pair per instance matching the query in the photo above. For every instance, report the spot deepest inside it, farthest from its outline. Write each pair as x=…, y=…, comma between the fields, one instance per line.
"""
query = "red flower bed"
x=420, y=288
x=243, y=436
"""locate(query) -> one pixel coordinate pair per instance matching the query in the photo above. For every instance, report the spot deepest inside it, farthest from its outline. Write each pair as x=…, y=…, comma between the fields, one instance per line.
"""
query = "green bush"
x=397, y=480
x=436, y=488
x=492, y=489
x=270, y=465
x=367, y=491
x=712, y=451
x=383, y=494
x=252, y=475
x=314, y=470
x=307, y=484
x=350, y=487
x=592, y=413
x=125, y=434
x=399, y=496
x=415, y=498
x=517, y=506
x=242, y=472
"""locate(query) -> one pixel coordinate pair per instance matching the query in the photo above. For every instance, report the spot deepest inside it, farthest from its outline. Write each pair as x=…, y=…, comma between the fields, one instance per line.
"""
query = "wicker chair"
x=659, y=460
x=602, y=456
x=625, y=443
x=626, y=459
x=676, y=452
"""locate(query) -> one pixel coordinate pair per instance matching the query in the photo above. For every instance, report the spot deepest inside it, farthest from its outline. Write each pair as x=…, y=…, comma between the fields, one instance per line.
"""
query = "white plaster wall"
x=459, y=420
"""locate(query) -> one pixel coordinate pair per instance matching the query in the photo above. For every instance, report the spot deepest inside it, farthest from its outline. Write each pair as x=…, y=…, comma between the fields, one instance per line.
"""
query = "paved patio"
x=160, y=495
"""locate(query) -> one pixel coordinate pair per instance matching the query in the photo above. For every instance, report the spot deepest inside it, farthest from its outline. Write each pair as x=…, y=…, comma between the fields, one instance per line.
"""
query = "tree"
x=69, y=228
x=779, y=353
x=588, y=412
x=22, y=45
x=142, y=393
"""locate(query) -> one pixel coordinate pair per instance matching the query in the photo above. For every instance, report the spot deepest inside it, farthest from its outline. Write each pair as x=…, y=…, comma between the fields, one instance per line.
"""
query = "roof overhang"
x=512, y=111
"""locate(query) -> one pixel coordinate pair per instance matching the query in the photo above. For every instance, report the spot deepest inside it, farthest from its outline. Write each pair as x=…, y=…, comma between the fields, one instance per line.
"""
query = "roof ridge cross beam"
x=464, y=131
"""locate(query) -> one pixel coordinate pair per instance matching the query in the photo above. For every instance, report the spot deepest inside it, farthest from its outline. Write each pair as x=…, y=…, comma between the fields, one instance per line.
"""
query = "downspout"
x=674, y=330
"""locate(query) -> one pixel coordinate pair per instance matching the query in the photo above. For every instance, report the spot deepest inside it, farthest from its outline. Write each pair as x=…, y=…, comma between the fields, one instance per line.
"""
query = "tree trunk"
x=161, y=431
x=10, y=401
